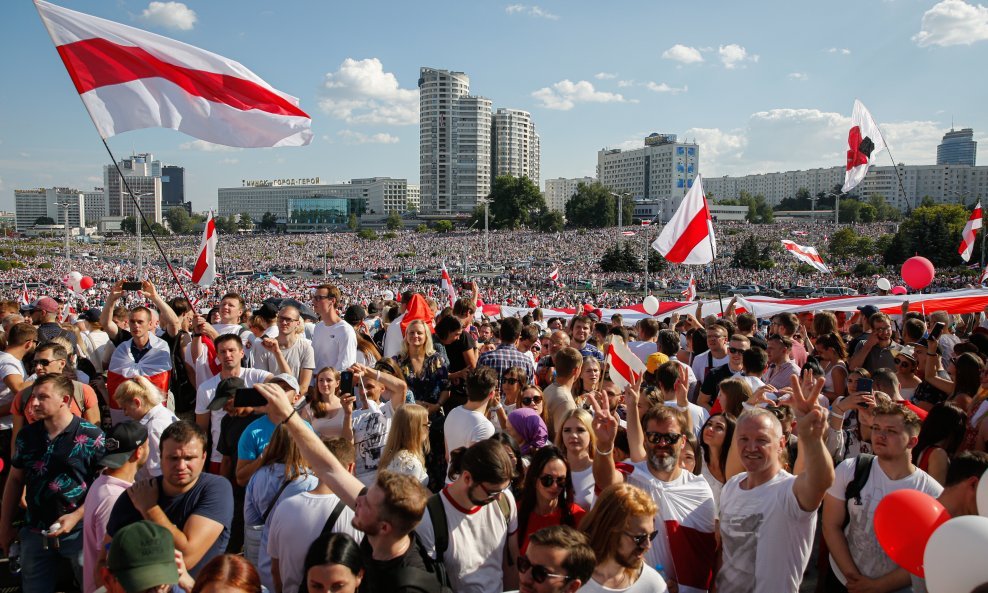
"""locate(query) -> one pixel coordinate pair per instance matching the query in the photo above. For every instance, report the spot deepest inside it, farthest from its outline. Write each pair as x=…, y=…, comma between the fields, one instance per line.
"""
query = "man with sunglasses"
x=559, y=559
x=878, y=350
x=334, y=341
x=686, y=546
x=734, y=367
x=291, y=344
x=716, y=354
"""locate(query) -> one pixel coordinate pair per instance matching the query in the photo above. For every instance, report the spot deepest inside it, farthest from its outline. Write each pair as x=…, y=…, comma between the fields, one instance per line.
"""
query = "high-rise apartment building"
x=958, y=148
x=56, y=203
x=515, y=145
x=559, y=191
x=662, y=170
x=143, y=175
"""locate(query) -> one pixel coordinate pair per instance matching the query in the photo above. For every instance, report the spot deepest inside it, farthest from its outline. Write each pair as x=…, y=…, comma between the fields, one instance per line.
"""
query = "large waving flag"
x=970, y=232
x=446, y=283
x=864, y=142
x=625, y=366
x=156, y=366
x=806, y=254
x=688, y=238
x=554, y=275
x=205, y=271
x=689, y=294
x=130, y=79
x=275, y=284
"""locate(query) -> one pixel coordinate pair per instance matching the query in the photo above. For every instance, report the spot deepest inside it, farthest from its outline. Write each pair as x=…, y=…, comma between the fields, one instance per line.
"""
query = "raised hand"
x=805, y=398
x=605, y=425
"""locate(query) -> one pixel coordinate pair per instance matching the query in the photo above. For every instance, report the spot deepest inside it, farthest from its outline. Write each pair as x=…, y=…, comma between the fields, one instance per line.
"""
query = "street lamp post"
x=65, y=222
x=620, y=209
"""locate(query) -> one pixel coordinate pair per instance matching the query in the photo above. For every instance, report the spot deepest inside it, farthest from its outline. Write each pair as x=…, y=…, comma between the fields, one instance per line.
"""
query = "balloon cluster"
x=77, y=282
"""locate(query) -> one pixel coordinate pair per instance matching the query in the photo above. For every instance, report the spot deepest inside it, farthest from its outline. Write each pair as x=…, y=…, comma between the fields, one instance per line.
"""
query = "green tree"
x=933, y=231
x=269, y=222
x=844, y=243
x=759, y=212
x=159, y=229
x=394, y=221
x=656, y=263
x=620, y=259
x=245, y=222
x=44, y=220
x=443, y=226
x=367, y=234
x=550, y=221
x=883, y=210
x=868, y=213
x=422, y=228
x=352, y=223
x=850, y=210
x=593, y=206
x=515, y=202
x=129, y=225
x=750, y=256
x=179, y=220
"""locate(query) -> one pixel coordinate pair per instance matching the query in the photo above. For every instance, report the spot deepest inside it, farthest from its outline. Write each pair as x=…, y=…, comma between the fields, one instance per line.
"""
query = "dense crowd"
x=324, y=446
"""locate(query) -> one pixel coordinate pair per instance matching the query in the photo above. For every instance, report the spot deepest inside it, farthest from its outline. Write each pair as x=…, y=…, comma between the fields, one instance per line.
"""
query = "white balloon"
x=982, y=496
x=651, y=305
x=954, y=557
x=74, y=277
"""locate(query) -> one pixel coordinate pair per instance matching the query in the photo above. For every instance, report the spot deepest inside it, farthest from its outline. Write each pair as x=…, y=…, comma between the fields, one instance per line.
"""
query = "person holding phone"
x=878, y=350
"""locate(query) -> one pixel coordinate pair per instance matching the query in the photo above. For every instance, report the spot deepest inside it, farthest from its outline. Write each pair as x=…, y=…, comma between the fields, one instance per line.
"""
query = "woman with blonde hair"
x=408, y=443
x=589, y=379
x=577, y=441
x=283, y=473
x=141, y=401
x=330, y=416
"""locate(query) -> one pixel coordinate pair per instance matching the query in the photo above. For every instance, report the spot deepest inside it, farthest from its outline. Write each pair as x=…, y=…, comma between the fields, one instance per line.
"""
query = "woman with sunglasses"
x=547, y=497
x=528, y=429
x=576, y=440
x=531, y=397
x=512, y=383
x=832, y=354
x=716, y=438
x=905, y=372
x=408, y=443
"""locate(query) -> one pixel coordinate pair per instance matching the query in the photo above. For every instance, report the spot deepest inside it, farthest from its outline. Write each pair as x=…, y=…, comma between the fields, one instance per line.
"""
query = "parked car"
x=743, y=290
x=832, y=291
x=800, y=292
x=769, y=292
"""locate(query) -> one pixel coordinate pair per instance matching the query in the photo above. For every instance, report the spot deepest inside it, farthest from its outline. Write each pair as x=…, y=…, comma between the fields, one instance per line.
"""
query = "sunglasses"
x=511, y=381
x=44, y=362
x=734, y=350
x=539, y=572
x=663, y=438
x=490, y=495
x=642, y=540
x=535, y=399
x=547, y=481
x=904, y=363
x=287, y=320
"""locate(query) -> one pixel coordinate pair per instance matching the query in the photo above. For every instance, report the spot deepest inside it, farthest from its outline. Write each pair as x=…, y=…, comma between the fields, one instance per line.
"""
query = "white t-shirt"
x=464, y=428
x=477, y=538
x=299, y=356
x=155, y=421
x=698, y=415
x=334, y=346
x=701, y=361
x=206, y=393
x=583, y=488
x=9, y=365
x=766, y=536
x=649, y=581
x=643, y=349
x=393, y=337
x=292, y=527
x=870, y=558
x=370, y=433
x=236, y=329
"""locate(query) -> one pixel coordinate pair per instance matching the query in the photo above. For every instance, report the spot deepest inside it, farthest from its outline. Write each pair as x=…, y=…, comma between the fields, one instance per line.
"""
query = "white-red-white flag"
x=628, y=233
x=806, y=254
x=204, y=271
x=646, y=222
x=984, y=276
x=554, y=275
x=689, y=294
x=130, y=79
x=625, y=366
x=864, y=142
x=688, y=238
x=275, y=284
x=25, y=297
x=67, y=312
x=185, y=273
x=969, y=234
x=446, y=283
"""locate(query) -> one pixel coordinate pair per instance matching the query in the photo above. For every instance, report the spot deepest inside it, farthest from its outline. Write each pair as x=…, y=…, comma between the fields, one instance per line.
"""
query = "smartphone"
x=937, y=330
x=131, y=285
x=864, y=385
x=466, y=285
x=248, y=398
x=346, y=382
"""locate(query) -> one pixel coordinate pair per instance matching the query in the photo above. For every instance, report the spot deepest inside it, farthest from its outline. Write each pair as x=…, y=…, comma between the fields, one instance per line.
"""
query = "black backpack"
x=179, y=384
x=862, y=469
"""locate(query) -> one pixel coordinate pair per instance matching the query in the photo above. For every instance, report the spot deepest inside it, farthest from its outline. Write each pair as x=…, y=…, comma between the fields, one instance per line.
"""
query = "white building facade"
x=377, y=196
x=143, y=175
x=515, y=145
x=558, y=191
x=54, y=203
x=662, y=170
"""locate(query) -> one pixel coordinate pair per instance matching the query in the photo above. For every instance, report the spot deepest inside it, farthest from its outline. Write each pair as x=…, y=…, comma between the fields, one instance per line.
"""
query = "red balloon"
x=86, y=283
x=918, y=272
x=904, y=521
x=898, y=290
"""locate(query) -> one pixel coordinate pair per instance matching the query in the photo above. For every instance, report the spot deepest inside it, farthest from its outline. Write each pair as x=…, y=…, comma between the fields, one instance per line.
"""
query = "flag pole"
x=898, y=175
x=713, y=250
x=143, y=219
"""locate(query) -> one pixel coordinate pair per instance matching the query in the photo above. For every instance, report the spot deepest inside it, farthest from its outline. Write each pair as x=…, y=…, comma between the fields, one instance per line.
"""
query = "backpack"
x=862, y=469
x=181, y=387
x=440, y=530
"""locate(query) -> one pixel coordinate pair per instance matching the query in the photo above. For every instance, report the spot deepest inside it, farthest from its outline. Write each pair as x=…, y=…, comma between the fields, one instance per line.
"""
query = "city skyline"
x=757, y=87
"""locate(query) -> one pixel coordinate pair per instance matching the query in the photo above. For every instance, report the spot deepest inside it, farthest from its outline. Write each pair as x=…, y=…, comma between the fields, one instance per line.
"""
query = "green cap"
x=142, y=556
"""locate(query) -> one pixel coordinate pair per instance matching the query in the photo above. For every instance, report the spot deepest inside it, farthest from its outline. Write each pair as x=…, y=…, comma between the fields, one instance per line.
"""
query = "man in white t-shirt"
x=333, y=340
x=716, y=354
x=684, y=545
x=674, y=387
x=481, y=528
x=467, y=424
x=856, y=558
x=21, y=341
x=648, y=335
x=767, y=515
x=230, y=353
x=299, y=519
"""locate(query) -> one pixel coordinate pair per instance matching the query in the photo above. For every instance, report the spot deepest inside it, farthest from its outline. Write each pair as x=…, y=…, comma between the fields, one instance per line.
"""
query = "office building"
x=55, y=203
x=173, y=188
x=414, y=198
x=958, y=148
x=143, y=175
x=95, y=205
x=515, y=145
x=662, y=170
x=559, y=191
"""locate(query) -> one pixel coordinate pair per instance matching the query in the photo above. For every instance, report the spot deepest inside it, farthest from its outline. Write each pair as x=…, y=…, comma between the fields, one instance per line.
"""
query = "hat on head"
x=906, y=352
x=884, y=284
x=46, y=304
x=354, y=314
x=868, y=310
x=91, y=315
x=142, y=556
x=121, y=442
x=268, y=311
x=226, y=389
x=287, y=379
x=655, y=360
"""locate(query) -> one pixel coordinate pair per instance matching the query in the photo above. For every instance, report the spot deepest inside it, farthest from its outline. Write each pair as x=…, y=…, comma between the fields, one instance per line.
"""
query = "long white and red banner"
x=806, y=254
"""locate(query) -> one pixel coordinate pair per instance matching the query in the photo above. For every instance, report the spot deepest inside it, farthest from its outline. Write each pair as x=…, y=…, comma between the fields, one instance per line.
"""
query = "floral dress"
x=426, y=385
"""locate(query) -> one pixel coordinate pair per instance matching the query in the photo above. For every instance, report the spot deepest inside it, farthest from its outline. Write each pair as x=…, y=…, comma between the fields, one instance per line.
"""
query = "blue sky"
x=761, y=85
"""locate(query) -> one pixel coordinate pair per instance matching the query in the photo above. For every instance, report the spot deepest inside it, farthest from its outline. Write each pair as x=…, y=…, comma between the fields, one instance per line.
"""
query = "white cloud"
x=565, y=94
x=953, y=22
x=683, y=54
x=353, y=137
x=361, y=92
x=839, y=50
x=605, y=76
x=734, y=56
x=533, y=10
x=665, y=88
x=799, y=76
x=719, y=150
x=625, y=83
x=229, y=161
x=172, y=15
x=203, y=146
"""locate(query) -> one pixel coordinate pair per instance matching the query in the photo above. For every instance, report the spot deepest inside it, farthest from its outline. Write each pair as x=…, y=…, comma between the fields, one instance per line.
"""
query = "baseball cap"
x=267, y=311
x=868, y=310
x=655, y=360
x=121, y=442
x=91, y=315
x=884, y=284
x=354, y=314
x=142, y=556
x=225, y=389
x=46, y=304
x=287, y=379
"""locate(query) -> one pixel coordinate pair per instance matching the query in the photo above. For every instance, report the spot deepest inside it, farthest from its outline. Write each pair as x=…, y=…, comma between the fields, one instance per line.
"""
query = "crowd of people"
x=403, y=446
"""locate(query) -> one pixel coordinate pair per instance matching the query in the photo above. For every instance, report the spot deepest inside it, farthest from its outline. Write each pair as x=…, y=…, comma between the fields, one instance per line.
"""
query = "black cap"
x=868, y=310
x=121, y=442
x=91, y=315
x=226, y=389
x=354, y=314
x=267, y=311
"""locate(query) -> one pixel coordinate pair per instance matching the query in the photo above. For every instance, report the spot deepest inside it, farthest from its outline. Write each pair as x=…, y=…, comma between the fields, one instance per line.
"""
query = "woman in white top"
x=408, y=443
x=576, y=440
x=715, y=441
x=328, y=415
x=589, y=380
x=905, y=371
x=832, y=353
